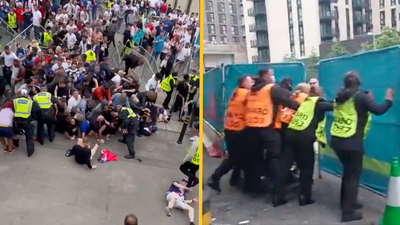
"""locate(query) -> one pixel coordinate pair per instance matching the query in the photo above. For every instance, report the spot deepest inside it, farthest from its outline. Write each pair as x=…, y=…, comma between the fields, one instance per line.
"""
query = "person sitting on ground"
x=72, y=129
x=98, y=125
x=131, y=219
x=84, y=126
x=176, y=199
x=83, y=153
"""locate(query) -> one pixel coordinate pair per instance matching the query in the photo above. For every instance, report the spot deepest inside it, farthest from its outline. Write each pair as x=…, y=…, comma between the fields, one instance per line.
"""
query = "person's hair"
x=131, y=219
x=79, y=117
x=262, y=72
x=302, y=88
x=69, y=118
x=186, y=76
x=151, y=95
x=241, y=80
x=175, y=74
x=351, y=80
x=158, y=75
x=316, y=92
x=6, y=47
x=85, y=140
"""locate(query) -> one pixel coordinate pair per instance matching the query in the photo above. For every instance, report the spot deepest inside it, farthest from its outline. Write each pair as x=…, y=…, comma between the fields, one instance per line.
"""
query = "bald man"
x=131, y=219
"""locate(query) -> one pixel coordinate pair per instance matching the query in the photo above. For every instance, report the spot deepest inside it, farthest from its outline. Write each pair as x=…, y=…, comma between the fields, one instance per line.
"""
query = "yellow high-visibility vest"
x=130, y=111
x=109, y=4
x=46, y=38
x=196, y=158
x=43, y=99
x=12, y=20
x=22, y=107
x=90, y=56
x=164, y=85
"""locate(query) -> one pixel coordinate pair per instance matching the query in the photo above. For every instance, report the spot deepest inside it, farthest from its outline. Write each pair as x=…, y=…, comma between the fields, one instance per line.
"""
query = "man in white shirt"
x=9, y=57
x=75, y=100
x=182, y=55
x=36, y=21
x=71, y=39
x=71, y=26
x=153, y=84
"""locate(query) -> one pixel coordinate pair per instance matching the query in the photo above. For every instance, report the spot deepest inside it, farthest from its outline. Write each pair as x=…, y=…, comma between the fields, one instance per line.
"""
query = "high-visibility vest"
x=128, y=47
x=287, y=113
x=164, y=85
x=46, y=38
x=90, y=56
x=43, y=99
x=130, y=111
x=196, y=158
x=259, y=107
x=235, y=113
x=12, y=20
x=109, y=4
x=22, y=107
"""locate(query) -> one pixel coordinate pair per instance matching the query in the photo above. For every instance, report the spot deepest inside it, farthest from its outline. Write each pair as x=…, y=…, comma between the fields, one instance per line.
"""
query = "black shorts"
x=6, y=132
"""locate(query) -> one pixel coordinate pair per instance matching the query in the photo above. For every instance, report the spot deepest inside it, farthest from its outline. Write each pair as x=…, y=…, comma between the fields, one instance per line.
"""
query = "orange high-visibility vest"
x=235, y=113
x=259, y=107
x=287, y=114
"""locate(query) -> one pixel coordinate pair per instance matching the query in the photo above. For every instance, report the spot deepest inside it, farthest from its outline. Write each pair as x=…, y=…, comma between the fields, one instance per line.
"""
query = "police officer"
x=352, y=110
x=90, y=55
x=194, y=85
x=168, y=85
x=191, y=162
x=46, y=101
x=307, y=126
x=12, y=21
x=129, y=125
x=47, y=37
x=234, y=126
x=25, y=111
x=263, y=140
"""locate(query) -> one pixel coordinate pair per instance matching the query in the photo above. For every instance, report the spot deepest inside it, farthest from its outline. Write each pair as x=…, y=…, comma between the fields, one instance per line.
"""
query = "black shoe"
x=41, y=142
x=212, y=183
x=351, y=216
x=191, y=223
x=121, y=141
x=51, y=140
x=139, y=135
x=129, y=157
x=303, y=200
x=234, y=182
x=30, y=154
x=276, y=202
x=166, y=107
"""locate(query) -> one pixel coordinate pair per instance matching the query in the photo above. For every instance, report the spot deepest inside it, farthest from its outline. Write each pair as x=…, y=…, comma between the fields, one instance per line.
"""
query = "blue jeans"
x=155, y=55
x=94, y=14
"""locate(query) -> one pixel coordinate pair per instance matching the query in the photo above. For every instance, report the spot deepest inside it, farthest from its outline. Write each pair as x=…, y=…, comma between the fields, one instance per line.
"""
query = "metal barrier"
x=25, y=37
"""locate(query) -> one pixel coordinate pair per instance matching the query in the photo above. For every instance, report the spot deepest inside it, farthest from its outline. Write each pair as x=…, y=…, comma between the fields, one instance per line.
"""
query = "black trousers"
x=129, y=139
x=234, y=145
x=48, y=119
x=168, y=98
x=262, y=145
x=301, y=149
x=352, y=168
x=29, y=132
x=190, y=170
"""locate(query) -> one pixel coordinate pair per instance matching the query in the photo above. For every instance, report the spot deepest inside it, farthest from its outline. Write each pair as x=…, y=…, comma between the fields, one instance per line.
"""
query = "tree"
x=388, y=37
x=289, y=58
x=312, y=64
x=337, y=50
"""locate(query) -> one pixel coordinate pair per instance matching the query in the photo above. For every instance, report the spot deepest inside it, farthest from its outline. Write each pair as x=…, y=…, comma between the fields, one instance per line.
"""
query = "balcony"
x=258, y=27
x=219, y=48
x=360, y=19
x=327, y=1
x=359, y=4
x=260, y=11
x=328, y=15
x=259, y=44
x=327, y=35
x=250, y=12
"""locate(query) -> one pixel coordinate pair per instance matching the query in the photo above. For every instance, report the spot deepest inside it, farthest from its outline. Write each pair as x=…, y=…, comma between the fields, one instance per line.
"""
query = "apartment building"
x=275, y=29
x=224, y=33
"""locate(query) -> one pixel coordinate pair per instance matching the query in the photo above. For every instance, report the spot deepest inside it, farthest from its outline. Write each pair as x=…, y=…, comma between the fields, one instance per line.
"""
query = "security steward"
x=129, y=125
x=168, y=85
x=47, y=37
x=25, y=111
x=194, y=86
x=12, y=21
x=307, y=126
x=234, y=126
x=110, y=4
x=90, y=55
x=191, y=162
x=263, y=141
x=352, y=110
x=46, y=102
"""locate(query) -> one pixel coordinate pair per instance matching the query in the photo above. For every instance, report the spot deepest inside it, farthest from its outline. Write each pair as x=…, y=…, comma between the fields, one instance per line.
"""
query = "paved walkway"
x=49, y=188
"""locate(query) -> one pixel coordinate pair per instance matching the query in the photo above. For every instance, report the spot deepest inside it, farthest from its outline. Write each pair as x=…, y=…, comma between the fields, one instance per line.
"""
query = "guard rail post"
x=184, y=127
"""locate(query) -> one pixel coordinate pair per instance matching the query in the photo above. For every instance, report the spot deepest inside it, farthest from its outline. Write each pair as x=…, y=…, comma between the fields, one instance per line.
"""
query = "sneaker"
x=129, y=157
x=167, y=211
x=121, y=141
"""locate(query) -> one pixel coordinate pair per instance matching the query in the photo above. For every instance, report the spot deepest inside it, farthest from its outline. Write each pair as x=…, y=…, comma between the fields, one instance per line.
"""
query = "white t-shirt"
x=116, y=78
x=36, y=18
x=69, y=27
x=152, y=84
x=72, y=102
x=153, y=3
x=64, y=65
x=182, y=53
x=9, y=59
x=71, y=40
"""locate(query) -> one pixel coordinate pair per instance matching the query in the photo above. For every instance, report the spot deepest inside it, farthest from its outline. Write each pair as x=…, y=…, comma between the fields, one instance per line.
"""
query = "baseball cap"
x=24, y=92
x=50, y=72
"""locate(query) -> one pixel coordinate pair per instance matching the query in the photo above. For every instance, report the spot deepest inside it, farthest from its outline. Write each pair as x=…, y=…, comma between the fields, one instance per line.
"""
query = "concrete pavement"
x=49, y=188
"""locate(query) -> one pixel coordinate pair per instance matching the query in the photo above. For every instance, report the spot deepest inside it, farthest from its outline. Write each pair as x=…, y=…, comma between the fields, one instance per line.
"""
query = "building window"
x=347, y=2
x=291, y=35
x=301, y=32
x=394, y=19
x=209, y=6
x=234, y=19
x=236, y=39
x=381, y=4
x=292, y=50
x=212, y=38
x=235, y=30
x=290, y=18
x=382, y=18
x=222, y=29
x=299, y=4
x=302, y=49
x=289, y=4
x=211, y=29
x=232, y=9
x=221, y=7
x=224, y=39
x=393, y=2
x=242, y=19
x=222, y=18
x=210, y=17
x=300, y=14
x=244, y=38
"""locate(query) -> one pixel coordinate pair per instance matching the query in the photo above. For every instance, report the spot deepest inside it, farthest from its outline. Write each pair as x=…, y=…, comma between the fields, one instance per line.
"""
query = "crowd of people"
x=63, y=79
x=269, y=128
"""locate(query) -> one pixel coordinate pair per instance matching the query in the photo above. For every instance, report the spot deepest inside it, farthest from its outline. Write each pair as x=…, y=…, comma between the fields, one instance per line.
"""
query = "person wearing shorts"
x=6, y=128
x=176, y=199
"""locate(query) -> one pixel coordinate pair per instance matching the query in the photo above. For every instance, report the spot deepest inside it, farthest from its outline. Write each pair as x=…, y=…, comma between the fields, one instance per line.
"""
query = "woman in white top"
x=165, y=49
x=6, y=130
